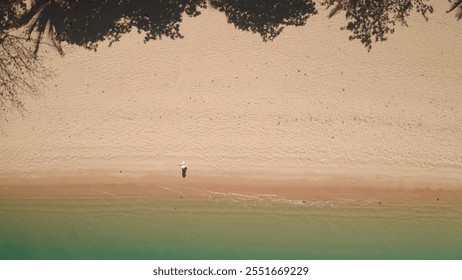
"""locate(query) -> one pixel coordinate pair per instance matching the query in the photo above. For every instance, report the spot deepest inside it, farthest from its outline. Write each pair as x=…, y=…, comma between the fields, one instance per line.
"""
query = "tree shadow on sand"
x=371, y=21
x=456, y=5
x=87, y=22
x=21, y=73
x=77, y=22
x=266, y=17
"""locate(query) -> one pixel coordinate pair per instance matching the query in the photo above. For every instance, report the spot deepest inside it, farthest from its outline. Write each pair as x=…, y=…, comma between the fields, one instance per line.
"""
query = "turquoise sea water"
x=136, y=228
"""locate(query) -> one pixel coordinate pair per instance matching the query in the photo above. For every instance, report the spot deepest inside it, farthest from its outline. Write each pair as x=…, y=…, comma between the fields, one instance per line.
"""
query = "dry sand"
x=309, y=104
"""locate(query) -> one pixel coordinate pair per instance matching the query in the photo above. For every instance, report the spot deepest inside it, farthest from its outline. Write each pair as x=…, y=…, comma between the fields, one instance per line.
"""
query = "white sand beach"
x=311, y=101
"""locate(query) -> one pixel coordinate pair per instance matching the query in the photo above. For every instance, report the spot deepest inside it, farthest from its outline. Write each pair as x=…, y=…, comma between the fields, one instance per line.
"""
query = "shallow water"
x=226, y=228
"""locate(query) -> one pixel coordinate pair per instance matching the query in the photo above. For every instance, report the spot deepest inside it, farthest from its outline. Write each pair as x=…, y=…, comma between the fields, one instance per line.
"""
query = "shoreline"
x=309, y=186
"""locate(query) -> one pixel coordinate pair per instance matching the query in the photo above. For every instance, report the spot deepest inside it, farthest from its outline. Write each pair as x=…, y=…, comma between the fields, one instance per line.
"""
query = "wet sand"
x=170, y=185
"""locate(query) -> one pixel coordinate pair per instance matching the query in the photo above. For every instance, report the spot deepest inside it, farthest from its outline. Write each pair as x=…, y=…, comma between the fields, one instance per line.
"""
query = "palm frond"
x=336, y=10
x=35, y=9
x=454, y=6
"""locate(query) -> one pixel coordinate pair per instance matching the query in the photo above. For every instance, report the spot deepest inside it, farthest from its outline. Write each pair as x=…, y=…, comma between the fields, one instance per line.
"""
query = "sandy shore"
x=308, y=116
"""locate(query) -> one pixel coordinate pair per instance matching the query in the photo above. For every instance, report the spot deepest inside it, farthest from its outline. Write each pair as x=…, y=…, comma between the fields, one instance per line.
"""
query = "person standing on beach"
x=184, y=167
